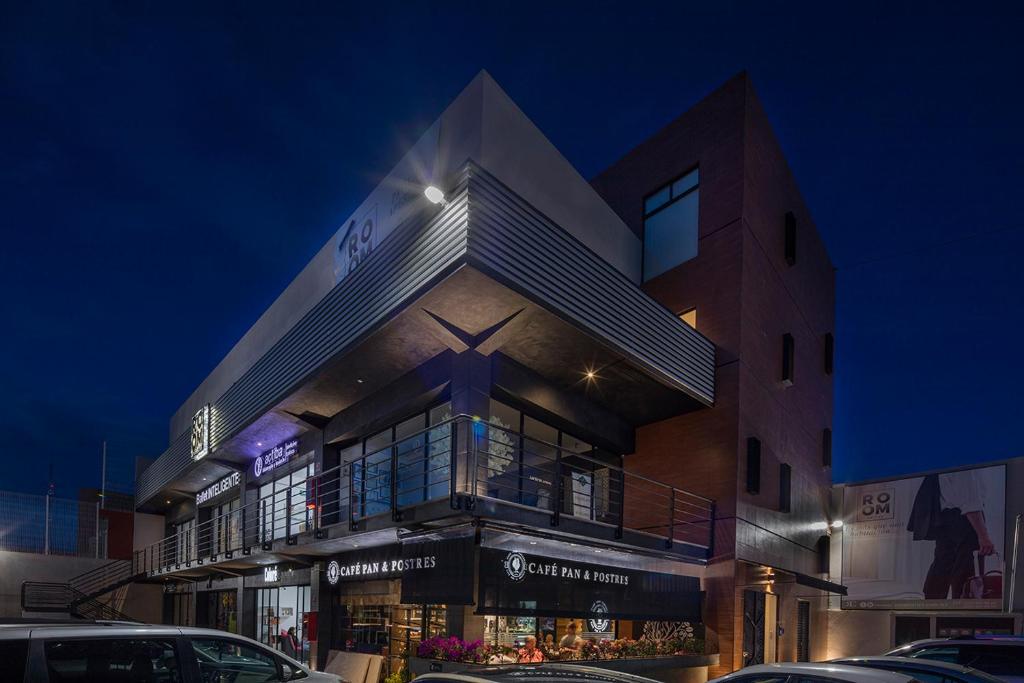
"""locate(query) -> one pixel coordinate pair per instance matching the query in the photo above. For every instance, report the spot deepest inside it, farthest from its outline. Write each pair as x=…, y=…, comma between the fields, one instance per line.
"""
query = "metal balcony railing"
x=462, y=459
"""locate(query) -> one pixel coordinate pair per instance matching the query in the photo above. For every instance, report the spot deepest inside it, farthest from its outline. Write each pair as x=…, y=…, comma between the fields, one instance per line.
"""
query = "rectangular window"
x=785, y=477
x=826, y=447
x=753, y=465
x=112, y=659
x=670, y=225
x=790, y=239
x=788, y=358
x=689, y=317
x=830, y=350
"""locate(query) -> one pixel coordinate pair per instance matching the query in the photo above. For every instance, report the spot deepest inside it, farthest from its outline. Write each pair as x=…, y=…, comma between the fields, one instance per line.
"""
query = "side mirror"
x=287, y=672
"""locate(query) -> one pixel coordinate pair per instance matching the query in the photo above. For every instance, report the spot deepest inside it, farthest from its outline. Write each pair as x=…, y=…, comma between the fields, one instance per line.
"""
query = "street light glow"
x=434, y=194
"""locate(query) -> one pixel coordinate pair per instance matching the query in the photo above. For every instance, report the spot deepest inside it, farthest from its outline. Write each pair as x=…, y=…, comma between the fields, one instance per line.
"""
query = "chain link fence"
x=51, y=525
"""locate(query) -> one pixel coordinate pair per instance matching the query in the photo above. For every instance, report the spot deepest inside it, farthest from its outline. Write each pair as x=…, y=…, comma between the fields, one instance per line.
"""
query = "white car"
x=811, y=672
x=49, y=652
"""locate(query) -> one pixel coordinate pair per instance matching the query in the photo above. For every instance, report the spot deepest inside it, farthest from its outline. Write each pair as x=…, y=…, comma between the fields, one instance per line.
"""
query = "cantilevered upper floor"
x=521, y=263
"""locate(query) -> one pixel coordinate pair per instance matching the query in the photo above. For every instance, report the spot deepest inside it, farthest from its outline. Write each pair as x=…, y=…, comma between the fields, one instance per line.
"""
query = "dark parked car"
x=923, y=670
x=1001, y=656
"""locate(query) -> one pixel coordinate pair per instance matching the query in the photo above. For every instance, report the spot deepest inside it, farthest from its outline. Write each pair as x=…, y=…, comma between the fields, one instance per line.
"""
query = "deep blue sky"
x=165, y=170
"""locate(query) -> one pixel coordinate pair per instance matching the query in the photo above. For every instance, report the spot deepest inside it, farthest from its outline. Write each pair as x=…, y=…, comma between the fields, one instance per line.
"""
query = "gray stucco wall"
x=21, y=567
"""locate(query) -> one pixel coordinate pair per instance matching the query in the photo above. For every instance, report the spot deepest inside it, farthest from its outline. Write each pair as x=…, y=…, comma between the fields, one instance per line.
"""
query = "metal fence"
x=50, y=525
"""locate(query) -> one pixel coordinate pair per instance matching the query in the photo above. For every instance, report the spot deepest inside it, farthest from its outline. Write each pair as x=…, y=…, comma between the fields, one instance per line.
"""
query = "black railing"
x=463, y=460
x=39, y=596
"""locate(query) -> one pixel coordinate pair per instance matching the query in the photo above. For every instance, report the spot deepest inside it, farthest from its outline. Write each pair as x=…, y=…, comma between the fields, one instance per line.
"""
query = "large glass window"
x=281, y=619
x=522, y=469
x=421, y=447
x=277, y=518
x=670, y=225
x=225, y=526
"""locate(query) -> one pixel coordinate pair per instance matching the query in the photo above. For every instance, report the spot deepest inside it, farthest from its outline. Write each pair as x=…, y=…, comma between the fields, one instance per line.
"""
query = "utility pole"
x=46, y=532
x=103, y=478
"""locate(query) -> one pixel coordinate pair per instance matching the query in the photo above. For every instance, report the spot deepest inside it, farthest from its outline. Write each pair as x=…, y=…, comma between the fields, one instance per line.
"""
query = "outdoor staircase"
x=82, y=595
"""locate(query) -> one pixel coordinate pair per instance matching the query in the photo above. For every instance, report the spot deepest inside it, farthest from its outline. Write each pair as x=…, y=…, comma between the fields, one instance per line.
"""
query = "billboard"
x=927, y=542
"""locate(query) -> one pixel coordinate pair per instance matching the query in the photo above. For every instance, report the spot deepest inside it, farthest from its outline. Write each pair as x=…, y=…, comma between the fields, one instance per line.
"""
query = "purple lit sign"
x=276, y=457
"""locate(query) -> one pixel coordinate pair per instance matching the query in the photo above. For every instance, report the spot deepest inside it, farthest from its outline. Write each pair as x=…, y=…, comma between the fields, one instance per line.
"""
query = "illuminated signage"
x=225, y=484
x=333, y=572
x=201, y=433
x=271, y=574
x=276, y=457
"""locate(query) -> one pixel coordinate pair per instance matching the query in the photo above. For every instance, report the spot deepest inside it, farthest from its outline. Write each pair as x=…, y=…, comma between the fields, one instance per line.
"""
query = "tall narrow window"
x=670, y=225
x=830, y=350
x=790, y=239
x=826, y=447
x=753, y=465
x=785, y=481
x=788, y=358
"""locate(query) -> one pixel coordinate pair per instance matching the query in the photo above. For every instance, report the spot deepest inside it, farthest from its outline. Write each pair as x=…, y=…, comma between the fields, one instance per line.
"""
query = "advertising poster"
x=931, y=542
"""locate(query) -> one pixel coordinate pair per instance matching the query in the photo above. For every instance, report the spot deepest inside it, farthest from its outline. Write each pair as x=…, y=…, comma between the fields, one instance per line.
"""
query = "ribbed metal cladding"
x=493, y=229
x=402, y=267
x=512, y=241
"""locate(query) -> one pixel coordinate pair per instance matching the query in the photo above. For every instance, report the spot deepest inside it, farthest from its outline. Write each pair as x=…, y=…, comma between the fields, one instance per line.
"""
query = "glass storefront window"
x=280, y=619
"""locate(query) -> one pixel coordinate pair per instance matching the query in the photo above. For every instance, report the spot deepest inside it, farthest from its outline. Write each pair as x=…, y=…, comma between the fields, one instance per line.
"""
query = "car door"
x=221, y=659
x=137, y=659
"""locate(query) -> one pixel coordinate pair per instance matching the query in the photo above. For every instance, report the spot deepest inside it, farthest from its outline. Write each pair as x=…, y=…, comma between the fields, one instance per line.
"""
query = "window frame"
x=672, y=199
x=37, y=660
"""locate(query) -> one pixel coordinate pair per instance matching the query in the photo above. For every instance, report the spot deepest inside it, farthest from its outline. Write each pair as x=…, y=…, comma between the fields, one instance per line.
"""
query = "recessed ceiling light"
x=360, y=381
x=596, y=550
x=168, y=502
x=259, y=443
x=533, y=542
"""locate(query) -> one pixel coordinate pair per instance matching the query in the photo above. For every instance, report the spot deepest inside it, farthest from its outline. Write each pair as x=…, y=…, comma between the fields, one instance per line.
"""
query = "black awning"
x=515, y=583
x=820, y=584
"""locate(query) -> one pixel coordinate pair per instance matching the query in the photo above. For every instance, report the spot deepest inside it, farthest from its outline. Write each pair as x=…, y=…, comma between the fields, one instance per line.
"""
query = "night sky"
x=167, y=169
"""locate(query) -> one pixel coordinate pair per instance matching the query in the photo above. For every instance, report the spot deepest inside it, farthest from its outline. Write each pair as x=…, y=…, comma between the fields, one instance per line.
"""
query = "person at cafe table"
x=530, y=653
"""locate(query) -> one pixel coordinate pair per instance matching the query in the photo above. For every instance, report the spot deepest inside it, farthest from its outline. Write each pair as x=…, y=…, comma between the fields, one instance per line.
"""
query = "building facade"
x=927, y=555
x=522, y=399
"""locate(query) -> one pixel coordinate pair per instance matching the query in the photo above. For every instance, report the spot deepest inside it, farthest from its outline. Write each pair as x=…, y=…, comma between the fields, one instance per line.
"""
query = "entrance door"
x=760, y=628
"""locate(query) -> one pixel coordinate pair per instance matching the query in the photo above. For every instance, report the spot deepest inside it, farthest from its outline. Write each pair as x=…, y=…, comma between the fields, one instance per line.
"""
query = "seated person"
x=530, y=654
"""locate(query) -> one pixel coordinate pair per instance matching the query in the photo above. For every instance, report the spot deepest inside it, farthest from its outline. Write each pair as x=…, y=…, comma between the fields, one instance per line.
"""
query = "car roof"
x=932, y=664
x=829, y=669
x=547, y=670
x=1017, y=641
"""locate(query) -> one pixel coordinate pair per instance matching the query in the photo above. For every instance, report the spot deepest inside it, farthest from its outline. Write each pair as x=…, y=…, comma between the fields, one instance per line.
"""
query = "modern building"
x=519, y=398
x=927, y=555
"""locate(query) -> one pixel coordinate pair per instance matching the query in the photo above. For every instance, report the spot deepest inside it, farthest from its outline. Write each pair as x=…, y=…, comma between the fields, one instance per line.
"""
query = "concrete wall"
x=21, y=567
x=858, y=632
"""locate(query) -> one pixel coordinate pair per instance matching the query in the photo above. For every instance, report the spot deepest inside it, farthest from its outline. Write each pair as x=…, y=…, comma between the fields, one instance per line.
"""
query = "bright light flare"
x=434, y=194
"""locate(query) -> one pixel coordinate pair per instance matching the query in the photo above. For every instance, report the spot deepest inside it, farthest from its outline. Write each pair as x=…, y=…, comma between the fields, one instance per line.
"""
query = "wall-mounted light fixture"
x=435, y=195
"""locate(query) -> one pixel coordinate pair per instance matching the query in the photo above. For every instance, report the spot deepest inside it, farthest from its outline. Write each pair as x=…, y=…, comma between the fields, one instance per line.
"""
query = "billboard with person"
x=926, y=542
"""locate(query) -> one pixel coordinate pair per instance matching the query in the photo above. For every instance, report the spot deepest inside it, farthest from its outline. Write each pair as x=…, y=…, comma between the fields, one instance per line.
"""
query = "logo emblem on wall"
x=515, y=566
x=599, y=625
x=257, y=467
x=200, y=445
x=333, y=572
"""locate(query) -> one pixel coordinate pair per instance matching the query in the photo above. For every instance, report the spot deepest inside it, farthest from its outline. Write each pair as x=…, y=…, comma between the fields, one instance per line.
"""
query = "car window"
x=223, y=660
x=132, y=660
x=998, y=660
x=13, y=655
x=940, y=653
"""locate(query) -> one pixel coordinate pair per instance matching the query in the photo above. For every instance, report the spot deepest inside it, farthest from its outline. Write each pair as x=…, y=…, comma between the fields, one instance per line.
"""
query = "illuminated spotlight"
x=838, y=524
x=435, y=195
x=590, y=375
